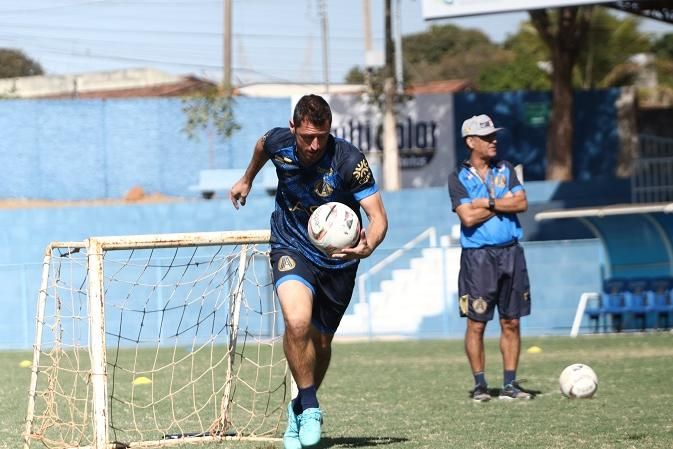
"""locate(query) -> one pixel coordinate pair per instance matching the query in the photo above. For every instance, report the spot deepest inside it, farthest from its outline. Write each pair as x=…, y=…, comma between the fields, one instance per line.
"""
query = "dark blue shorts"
x=490, y=277
x=332, y=289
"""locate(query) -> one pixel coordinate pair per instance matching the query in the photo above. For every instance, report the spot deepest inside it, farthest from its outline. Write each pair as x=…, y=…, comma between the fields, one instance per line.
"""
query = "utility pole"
x=325, y=39
x=399, y=75
x=391, y=158
x=226, y=51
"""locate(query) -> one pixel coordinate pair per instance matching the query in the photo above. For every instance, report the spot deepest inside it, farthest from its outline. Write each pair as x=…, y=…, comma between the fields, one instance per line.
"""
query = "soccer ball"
x=333, y=226
x=578, y=381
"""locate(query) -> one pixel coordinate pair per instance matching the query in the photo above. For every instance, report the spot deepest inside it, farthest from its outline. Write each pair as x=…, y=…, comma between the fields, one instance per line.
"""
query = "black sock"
x=296, y=406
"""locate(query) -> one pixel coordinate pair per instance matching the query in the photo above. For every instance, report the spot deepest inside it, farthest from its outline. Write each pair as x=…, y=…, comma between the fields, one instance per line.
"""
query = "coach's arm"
x=240, y=190
x=476, y=212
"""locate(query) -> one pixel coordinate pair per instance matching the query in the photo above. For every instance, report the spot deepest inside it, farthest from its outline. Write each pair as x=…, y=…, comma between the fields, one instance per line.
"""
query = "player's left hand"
x=359, y=251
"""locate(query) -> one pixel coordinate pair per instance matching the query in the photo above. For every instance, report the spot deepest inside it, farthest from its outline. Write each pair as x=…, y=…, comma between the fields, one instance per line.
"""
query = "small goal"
x=146, y=341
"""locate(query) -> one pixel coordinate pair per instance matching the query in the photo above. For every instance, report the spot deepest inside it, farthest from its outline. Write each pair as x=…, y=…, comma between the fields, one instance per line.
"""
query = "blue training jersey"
x=342, y=175
x=465, y=184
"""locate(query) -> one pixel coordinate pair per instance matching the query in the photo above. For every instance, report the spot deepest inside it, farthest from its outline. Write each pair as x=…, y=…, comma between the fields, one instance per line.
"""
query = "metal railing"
x=430, y=234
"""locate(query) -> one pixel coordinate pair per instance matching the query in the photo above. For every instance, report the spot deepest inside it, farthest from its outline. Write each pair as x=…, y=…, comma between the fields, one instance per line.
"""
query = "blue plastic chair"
x=662, y=303
x=594, y=311
x=614, y=303
x=637, y=300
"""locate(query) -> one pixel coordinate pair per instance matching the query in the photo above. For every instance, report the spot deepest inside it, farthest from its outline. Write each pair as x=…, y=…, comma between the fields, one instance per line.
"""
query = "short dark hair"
x=312, y=108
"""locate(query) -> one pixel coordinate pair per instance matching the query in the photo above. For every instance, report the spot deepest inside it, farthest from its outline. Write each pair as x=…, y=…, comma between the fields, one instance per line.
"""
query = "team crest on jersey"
x=500, y=181
x=479, y=305
x=362, y=173
x=286, y=263
x=323, y=189
x=462, y=304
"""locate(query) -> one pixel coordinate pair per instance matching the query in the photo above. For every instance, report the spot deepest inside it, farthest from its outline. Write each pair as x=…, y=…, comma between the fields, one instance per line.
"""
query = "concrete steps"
x=426, y=288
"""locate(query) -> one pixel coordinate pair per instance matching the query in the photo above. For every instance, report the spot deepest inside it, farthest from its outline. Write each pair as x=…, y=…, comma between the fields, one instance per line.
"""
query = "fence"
x=652, y=179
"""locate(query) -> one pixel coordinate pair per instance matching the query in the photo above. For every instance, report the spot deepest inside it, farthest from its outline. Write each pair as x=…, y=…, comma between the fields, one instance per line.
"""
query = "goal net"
x=154, y=340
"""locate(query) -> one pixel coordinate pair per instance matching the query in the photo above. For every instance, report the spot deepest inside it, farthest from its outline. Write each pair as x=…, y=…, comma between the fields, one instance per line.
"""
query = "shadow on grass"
x=327, y=442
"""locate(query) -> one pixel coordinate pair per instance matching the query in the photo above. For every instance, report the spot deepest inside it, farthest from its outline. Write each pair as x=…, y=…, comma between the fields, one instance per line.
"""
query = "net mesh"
x=183, y=359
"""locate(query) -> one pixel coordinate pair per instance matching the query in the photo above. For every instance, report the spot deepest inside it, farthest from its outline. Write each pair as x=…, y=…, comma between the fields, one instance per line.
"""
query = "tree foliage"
x=210, y=111
x=14, y=63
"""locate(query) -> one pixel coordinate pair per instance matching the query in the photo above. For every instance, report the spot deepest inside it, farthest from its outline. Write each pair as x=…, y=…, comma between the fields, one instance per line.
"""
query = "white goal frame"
x=95, y=248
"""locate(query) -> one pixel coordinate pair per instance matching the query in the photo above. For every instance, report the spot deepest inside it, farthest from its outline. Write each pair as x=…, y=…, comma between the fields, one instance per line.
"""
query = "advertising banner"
x=441, y=9
x=425, y=135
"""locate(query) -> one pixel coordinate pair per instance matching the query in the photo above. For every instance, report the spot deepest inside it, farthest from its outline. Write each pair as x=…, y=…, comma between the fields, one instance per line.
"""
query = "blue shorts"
x=332, y=289
x=490, y=277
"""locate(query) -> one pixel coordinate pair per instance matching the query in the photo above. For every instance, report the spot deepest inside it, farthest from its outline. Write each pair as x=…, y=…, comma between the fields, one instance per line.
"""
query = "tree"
x=14, y=63
x=211, y=111
x=449, y=52
x=563, y=31
x=526, y=70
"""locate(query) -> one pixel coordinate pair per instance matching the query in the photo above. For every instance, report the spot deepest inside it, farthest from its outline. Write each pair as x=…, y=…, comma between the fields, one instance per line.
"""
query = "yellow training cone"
x=25, y=363
x=142, y=380
x=534, y=350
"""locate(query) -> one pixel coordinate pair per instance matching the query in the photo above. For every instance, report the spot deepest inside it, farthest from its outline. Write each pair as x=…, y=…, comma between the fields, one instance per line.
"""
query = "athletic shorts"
x=490, y=277
x=332, y=289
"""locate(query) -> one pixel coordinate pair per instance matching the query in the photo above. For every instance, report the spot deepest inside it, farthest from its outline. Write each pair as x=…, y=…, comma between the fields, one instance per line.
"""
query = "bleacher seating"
x=662, y=303
x=614, y=303
x=637, y=300
x=632, y=301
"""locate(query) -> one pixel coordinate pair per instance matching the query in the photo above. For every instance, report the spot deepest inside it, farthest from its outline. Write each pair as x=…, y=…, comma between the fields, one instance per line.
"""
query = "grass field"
x=414, y=394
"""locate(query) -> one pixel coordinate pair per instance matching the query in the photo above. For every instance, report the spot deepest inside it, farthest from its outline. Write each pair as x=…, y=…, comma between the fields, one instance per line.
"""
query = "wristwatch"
x=491, y=203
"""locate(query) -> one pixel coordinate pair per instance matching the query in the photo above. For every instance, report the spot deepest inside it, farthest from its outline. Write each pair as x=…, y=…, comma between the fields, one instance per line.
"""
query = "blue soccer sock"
x=509, y=377
x=307, y=398
x=480, y=378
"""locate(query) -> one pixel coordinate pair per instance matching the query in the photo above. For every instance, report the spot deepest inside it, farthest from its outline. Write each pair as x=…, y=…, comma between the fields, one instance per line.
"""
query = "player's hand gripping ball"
x=333, y=226
x=578, y=381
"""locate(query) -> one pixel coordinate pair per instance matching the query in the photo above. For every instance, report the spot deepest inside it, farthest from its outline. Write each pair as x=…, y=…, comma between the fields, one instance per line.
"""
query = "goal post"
x=153, y=340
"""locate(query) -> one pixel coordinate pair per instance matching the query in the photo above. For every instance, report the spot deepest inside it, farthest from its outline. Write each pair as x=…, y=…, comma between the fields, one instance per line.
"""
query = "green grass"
x=414, y=394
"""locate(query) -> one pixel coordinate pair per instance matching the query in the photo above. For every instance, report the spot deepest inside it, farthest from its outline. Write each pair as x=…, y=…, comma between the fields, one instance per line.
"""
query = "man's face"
x=311, y=140
x=484, y=146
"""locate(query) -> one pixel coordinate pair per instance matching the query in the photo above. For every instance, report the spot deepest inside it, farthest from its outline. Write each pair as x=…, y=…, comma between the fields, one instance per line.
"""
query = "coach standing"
x=486, y=195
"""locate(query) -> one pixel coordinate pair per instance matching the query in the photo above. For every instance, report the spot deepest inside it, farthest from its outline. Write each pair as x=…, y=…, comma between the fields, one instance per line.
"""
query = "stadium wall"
x=91, y=149
x=557, y=280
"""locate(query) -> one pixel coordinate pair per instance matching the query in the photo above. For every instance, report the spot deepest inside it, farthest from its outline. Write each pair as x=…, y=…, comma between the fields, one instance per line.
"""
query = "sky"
x=273, y=40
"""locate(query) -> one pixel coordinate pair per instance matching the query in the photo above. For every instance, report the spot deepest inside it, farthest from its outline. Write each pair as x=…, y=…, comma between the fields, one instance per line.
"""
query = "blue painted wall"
x=557, y=281
x=85, y=149
x=524, y=115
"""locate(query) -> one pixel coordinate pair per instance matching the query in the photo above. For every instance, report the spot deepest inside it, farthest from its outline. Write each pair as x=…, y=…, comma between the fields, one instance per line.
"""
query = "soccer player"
x=313, y=168
x=487, y=195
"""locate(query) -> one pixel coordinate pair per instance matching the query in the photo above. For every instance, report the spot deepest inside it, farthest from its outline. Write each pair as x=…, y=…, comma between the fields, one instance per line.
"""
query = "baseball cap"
x=478, y=125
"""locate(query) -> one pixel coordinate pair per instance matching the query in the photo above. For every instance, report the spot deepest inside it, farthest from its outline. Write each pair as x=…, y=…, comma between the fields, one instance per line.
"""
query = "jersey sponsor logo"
x=526, y=296
x=362, y=173
x=500, y=181
x=462, y=304
x=479, y=305
x=283, y=160
x=298, y=207
x=323, y=189
x=286, y=263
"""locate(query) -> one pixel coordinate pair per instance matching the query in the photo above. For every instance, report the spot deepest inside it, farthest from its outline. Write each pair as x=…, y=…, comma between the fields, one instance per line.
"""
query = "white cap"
x=478, y=125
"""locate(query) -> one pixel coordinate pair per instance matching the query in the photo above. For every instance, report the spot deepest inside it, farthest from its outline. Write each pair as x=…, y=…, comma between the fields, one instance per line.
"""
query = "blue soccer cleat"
x=309, y=426
x=291, y=436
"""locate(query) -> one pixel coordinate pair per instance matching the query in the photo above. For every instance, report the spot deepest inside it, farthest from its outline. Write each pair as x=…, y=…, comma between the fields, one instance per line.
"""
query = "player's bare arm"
x=471, y=214
x=240, y=190
x=376, y=229
x=512, y=203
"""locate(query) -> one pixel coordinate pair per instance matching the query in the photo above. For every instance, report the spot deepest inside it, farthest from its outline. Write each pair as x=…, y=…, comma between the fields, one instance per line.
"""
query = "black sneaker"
x=480, y=393
x=513, y=392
